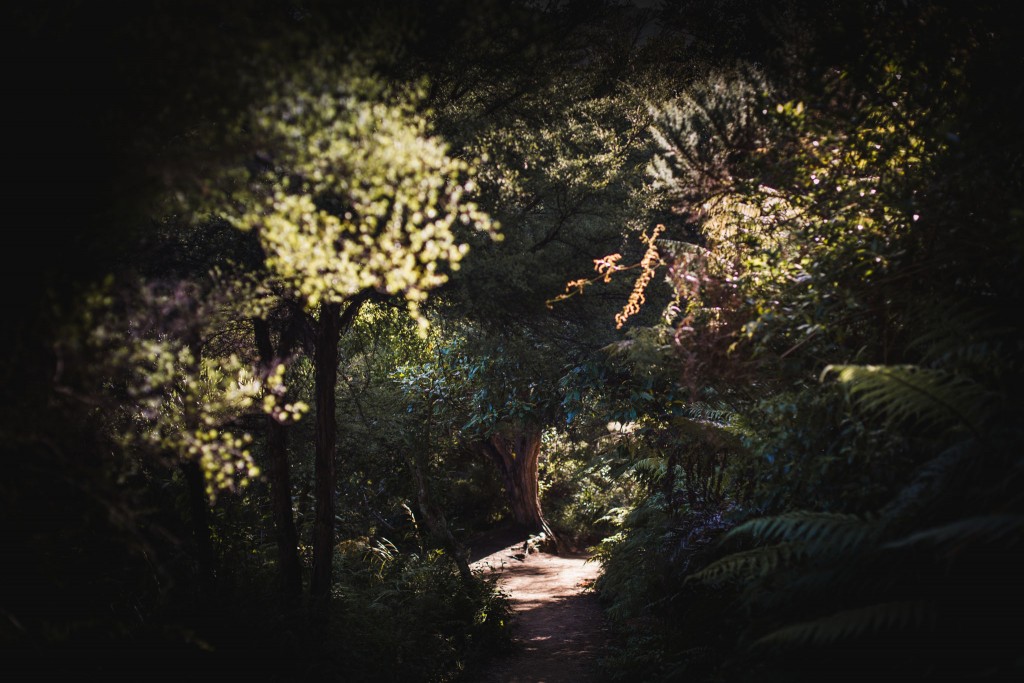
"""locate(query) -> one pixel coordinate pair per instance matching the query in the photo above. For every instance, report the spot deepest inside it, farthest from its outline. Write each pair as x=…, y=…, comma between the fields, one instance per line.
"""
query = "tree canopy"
x=306, y=299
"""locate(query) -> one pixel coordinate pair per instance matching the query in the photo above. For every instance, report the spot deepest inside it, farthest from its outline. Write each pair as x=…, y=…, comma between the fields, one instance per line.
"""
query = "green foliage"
x=813, y=531
x=406, y=616
x=169, y=393
x=652, y=609
x=562, y=159
x=872, y=512
x=346, y=189
x=704, y=132
x=806, y=463
x=402, y=397
x=579, y=491
x=932, y=398
x=851, y=624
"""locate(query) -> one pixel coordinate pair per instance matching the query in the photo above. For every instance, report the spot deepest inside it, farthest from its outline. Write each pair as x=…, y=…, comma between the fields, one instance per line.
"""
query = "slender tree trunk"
x=281, y=500
x=517, y=454
x=327, y=335
x=669, y=483
x=325, y=363
x=199, y=511
x=280, y=478
x=199, y=503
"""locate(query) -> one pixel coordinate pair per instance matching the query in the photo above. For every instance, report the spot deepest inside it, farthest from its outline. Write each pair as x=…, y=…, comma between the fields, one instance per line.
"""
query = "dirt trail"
x=558, y=629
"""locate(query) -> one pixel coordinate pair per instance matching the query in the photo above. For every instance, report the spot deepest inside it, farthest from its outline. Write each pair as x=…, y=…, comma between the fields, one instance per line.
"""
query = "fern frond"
x=809, y=586
x=816, y=530
x=697, y=131
x=749, y=563
x=652, y=468
x=673, y=249
x=904, y=393
x=987, y=528
x=964, y=335
x=698, y=430
x=618, y=348
x=931, y=479
x=853, y=623
x=704, y=412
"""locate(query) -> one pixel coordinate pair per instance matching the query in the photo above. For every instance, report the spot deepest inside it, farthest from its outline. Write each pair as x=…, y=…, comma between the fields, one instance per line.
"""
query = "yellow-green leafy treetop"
x=147, y=361
x=348, y=191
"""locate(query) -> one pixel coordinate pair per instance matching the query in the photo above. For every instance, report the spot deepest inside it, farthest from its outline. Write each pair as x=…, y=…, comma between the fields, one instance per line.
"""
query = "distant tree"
x=351, y=198
x=562, y=144
x=491, y=398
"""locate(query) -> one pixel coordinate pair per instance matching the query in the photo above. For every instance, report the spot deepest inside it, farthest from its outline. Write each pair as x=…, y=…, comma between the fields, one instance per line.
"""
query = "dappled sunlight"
x=338, y=331
x=558, y=629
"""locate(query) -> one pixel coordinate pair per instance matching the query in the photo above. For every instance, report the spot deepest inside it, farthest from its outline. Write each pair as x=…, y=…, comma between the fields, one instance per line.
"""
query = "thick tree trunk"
x=517, y=453
x=325, y=363
x=280, y=478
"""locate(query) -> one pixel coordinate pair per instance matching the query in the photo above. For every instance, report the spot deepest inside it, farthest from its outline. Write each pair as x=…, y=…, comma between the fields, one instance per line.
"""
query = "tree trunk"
x=199, y=511
x=281, y=500
x=280, y=478
x=325, y=363
x=517, y=454
x=327, y=335
x=195, y=483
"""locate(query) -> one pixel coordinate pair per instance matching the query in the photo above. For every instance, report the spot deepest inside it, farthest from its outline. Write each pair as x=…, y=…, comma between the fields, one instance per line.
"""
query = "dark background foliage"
x=809, y=463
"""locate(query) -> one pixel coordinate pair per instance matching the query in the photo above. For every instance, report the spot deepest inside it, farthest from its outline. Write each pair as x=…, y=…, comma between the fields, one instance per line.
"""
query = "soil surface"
x=558, y=628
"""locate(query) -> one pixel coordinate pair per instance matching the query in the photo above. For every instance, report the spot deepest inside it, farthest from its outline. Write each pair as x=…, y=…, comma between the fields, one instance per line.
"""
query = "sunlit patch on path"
x=558, y=629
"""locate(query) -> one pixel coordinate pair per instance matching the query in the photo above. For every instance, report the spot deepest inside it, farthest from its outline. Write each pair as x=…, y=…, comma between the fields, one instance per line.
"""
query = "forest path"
x=558, y=628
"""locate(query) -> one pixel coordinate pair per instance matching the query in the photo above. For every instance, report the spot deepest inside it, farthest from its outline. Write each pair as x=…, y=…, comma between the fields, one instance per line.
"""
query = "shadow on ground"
x=558, y=630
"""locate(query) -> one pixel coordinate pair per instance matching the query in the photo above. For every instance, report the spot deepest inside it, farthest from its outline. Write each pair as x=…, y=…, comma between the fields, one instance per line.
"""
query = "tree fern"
x=706, y=413
x=816, y=530
x=699, y=430
x=968, y=337
x=932, y=479
x=854, y=623
x=808, y=586
x=703, y=129
x=982, y=528
x=749, y=563
x=908, y=393
x=650, y=468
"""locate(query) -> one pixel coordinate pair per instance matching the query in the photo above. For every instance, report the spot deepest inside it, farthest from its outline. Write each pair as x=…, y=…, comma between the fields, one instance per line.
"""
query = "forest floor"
x=558, y=628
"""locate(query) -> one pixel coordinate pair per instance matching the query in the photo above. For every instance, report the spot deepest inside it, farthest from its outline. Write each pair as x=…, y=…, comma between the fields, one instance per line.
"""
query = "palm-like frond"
x=931, y=479
x=700, y=430
x=651, y=468
x=755, y=562
x=982, y=528
x=704, y=412
x=966, y=336
x=853, y=623
x=817, y=531
x=704, y=129
x=808, y=584
x=910, y=393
